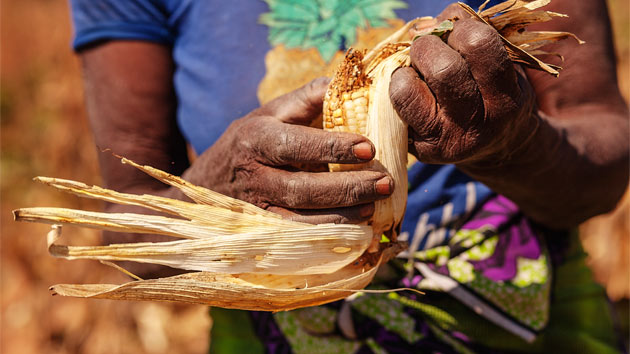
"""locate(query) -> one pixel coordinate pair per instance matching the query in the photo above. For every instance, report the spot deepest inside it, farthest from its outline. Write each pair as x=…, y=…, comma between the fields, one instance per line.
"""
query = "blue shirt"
x=220, y=47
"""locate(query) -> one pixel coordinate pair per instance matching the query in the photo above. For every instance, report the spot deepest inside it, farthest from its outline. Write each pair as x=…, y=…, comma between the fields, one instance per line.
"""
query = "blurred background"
x=44, y=132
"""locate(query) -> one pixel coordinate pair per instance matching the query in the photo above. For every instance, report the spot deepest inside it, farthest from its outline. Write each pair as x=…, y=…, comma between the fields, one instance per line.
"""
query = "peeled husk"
x=249, y=291
x=248, y=258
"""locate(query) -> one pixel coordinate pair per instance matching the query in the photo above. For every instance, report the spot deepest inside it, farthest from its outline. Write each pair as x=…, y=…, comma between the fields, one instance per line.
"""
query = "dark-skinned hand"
x=254, y=161
x=463, y=98
x=557, y=147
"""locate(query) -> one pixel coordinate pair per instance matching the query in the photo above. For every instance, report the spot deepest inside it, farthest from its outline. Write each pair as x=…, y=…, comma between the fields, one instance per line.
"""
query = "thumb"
x=301, y=106
x=451, y=12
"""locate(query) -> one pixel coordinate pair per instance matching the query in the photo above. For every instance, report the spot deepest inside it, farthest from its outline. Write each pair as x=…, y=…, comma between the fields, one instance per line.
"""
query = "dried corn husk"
x=214, y=238
x=248, y=258
x=249, y=291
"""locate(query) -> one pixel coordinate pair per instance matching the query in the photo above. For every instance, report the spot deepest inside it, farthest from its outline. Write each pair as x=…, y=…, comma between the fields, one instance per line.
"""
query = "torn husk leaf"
x=249, y=258
x=231, y=291
x=278, y=265
x=284, y=248
x=309, y=250
x=510, y=19
x=262, y=292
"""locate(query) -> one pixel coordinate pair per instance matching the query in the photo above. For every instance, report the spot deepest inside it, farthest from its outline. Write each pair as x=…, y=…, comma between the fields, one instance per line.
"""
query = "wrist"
x=516, y=146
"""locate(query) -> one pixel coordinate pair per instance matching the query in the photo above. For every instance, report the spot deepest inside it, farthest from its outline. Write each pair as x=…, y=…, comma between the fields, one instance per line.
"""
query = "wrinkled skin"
x=471, y=102
x=253, y=161
x=557, y=147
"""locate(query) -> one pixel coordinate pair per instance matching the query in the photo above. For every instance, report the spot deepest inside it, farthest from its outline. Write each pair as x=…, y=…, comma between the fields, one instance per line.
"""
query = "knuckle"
x=401, y=86
x=446, y=66
x=332, y=148
x=506, y=106
x=430, y=131
x=338, y=219
x=423, y=47
x=249, y=133
x=351, y=191
x=329, y=218
x=452, y=146
x=311, y=92
x=278, y=146
x=294, y=188
x=439, y=63
x=453, y=11
x=246, y=180
x=471, y=35
x=319, y=84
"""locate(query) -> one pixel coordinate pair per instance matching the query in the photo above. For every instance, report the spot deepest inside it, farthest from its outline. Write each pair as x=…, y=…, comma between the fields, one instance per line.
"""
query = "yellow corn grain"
x=357, y=101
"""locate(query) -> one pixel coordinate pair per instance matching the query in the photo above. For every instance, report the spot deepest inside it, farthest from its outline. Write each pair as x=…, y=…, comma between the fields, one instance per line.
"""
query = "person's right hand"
x=255, y=157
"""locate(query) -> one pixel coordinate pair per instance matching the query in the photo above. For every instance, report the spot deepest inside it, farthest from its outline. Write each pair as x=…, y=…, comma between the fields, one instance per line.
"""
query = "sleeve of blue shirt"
x=102, y=20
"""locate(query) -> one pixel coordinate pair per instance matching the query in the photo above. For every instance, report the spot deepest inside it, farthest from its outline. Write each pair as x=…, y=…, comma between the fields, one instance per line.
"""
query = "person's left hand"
x=464, y=100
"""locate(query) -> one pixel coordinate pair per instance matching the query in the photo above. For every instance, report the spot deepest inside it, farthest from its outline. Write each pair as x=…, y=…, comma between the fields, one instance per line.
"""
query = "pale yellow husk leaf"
x=212, y=241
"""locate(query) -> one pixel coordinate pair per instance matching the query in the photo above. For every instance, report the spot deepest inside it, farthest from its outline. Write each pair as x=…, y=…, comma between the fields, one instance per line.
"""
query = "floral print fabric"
x=495, y=262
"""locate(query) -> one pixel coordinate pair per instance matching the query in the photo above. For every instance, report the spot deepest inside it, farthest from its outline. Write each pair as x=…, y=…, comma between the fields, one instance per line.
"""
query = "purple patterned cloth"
x=495, y=261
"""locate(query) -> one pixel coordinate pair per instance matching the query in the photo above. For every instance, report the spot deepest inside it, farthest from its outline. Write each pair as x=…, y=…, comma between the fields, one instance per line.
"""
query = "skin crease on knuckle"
x=453, y=132
x=473, y=36
x=294, y=188
x=336, y=215
x=483, y=50
x=447, y=75
x=331, y=147
x=282, y=147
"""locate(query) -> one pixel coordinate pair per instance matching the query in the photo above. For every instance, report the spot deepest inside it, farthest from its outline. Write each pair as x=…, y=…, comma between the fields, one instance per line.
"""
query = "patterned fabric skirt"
x=499, y=286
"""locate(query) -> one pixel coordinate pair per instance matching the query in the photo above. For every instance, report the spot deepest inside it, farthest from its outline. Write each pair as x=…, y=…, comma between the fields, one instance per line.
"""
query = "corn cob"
x=251, y=259
x=357, y=101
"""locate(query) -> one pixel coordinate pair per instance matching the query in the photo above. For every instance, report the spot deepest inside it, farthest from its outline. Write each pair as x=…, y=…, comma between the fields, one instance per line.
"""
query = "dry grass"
x=44, y=132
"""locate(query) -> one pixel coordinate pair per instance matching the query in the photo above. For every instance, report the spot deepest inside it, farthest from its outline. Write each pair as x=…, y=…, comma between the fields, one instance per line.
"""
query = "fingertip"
x=319, y=86
x=385, y=186
x=402, y=80
x=453, y=12
x=322, y=80
x=410, y=95
x=364, y=150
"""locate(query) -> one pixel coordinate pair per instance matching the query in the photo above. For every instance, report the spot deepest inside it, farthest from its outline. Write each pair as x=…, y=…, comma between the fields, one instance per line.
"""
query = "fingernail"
x=367, y=210
x=364, y=151
x=384, y=186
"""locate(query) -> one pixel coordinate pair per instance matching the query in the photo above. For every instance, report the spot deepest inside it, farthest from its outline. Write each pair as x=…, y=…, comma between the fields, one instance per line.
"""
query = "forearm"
x=575, y=164
x=569, y=169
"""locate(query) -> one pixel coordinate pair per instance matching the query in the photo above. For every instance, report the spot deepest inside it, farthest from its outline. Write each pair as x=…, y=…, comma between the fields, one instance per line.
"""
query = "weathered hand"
x=255, y=159
x=464, y=100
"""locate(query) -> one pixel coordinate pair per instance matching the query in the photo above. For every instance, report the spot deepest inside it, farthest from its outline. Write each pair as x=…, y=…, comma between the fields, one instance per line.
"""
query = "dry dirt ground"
x=44, y=132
